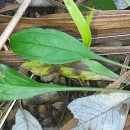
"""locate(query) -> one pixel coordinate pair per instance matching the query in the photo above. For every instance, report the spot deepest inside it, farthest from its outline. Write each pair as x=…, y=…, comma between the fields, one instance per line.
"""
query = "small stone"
x=59, y=105
x=49, y=77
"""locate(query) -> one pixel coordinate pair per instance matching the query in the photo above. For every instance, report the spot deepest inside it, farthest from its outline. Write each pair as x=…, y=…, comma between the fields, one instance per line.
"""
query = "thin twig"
x=73, y=122
x=117, y=83
x=123, y=70
x=10, y=27
x=4, y=38
x=126, y=62
x=9, y=7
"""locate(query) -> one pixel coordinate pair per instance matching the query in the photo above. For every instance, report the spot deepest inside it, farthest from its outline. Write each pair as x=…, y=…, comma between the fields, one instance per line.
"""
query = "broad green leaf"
x=49, y=46
x=13, y=85
x=99, y=4
x=80, y=22
x=52, y=47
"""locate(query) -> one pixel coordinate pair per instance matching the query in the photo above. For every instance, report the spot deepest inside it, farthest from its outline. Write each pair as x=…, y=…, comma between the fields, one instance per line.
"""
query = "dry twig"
x=10, y=7
x=117, y=83
x=10, y=27
x=70, y=124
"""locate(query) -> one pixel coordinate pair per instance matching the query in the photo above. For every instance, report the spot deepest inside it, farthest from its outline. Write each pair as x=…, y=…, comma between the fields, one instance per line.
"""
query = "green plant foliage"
x=13, y=85
x=96, y=67
x=49, y=46
x=93, y=65
x=52, y=47
x=89, y=18
x=33, y=64
x=99, y=4
x=80, y=21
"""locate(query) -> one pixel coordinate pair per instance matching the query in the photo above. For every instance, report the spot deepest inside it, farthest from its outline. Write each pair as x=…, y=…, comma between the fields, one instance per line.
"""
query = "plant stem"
x=7, y=113
x=4, y=38
x=10, y=27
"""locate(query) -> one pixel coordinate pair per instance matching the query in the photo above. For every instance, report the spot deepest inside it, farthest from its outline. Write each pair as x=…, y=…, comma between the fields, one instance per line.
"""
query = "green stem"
x=89, y=89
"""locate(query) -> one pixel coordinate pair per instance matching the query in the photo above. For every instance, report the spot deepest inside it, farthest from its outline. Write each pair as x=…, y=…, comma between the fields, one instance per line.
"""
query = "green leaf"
x=99, y=4
x=89, y=18
x=52, y=47
x=13, y=85
x=33, y=64
x=80, y=22
x=96, y=67
x=49, y=46
x=72, y=8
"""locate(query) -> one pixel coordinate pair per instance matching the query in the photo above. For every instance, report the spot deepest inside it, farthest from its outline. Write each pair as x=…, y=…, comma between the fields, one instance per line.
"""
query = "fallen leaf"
x=25, y=121
x=101, y=112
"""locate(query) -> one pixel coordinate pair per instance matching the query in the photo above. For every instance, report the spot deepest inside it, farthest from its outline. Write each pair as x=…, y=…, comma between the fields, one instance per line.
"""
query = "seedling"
x=49, y=46
x=81, y=23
